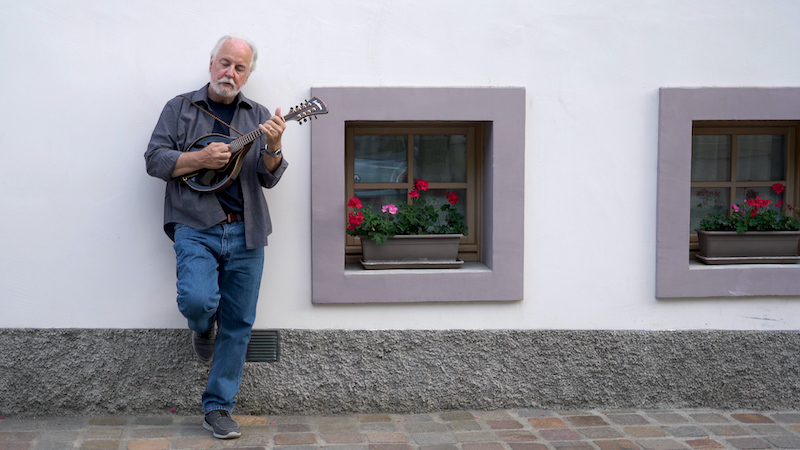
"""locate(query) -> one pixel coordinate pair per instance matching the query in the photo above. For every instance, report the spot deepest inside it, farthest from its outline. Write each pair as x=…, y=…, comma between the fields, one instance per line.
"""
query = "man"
x=219, y=237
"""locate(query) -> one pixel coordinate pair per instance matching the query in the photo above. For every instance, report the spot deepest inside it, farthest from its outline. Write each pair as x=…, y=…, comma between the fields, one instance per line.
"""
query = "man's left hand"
x=273, y=131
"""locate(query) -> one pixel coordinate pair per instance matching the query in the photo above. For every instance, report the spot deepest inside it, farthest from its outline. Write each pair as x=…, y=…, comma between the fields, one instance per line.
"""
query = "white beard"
x=221, y=88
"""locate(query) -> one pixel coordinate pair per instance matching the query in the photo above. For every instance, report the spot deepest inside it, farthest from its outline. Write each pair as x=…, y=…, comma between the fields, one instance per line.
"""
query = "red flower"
x=452, y=197
x=778, y=188
x=758, y=202
x=354, y=202
x=413, y=194
x=421, y=185
x=355, y=220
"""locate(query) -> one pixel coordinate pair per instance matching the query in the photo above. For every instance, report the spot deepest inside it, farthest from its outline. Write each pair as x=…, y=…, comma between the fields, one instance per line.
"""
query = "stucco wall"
x=83, y=84
x=47, y=372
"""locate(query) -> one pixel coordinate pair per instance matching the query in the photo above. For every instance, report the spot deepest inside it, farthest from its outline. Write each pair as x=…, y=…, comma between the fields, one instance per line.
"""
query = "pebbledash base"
x=426, y=251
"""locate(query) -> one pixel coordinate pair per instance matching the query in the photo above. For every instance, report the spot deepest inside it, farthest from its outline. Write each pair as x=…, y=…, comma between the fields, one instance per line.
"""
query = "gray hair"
x=253, y=49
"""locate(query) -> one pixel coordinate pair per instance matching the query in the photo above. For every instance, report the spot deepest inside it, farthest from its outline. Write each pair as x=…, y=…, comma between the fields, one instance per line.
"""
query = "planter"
x=751, y=247
x=426, y=251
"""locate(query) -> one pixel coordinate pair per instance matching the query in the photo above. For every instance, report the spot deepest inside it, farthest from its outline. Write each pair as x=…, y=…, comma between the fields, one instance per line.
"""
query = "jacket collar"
x=201, y=95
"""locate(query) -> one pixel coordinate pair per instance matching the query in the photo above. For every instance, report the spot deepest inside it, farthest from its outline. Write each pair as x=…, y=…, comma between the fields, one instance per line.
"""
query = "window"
x=733, y=161
x=680, y=109
x=384, y=158
x=497, y=119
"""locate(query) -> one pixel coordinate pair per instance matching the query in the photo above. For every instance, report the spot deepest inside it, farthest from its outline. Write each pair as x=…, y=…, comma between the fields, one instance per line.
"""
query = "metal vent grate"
x=264, y=346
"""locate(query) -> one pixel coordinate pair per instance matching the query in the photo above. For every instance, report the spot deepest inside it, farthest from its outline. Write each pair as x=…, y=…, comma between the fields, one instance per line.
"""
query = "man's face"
x=229, y=69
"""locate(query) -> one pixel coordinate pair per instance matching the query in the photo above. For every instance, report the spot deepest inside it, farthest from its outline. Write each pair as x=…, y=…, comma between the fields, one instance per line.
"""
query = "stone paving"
x=515, y=429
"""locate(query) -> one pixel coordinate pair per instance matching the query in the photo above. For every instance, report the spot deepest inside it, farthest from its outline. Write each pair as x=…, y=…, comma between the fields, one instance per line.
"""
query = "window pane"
x=380, y=197
x=707, y=201
x=441, y=158
x=381, y=159
x=761, y=157
x=711, y=158
x=439, y=197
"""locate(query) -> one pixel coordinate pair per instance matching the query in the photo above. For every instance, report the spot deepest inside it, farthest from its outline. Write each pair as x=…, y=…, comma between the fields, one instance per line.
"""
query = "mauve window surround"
x=500, y=275
x=676, y=276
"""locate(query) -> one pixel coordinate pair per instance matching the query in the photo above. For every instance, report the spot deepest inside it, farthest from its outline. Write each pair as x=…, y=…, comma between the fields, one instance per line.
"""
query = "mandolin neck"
x=241, y=142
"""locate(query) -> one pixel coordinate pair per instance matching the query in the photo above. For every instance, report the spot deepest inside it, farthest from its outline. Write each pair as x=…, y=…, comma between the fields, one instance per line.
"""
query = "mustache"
x=226, y=80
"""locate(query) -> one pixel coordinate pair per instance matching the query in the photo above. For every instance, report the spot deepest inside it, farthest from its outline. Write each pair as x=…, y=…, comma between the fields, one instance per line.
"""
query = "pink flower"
x=735, y=208
x=390, y=207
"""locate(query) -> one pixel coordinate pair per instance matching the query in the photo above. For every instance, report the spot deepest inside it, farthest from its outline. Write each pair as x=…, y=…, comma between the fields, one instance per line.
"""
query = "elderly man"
x=219, y=237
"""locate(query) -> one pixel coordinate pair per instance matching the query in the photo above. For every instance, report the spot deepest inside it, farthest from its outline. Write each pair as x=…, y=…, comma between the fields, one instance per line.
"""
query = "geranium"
x=452, y=197
x=755, y=214
x=354, y=203
x=420, y=216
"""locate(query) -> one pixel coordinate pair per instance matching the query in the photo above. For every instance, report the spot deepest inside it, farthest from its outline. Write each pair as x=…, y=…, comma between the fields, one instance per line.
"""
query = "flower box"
x=750, y=247
x=425, y=251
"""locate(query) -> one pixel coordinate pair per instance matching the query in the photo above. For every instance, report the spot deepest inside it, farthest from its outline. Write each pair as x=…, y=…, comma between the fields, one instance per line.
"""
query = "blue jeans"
x=218, y=277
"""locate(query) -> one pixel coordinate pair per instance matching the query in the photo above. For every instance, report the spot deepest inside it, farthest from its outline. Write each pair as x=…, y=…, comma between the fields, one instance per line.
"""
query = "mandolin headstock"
x=308, y=108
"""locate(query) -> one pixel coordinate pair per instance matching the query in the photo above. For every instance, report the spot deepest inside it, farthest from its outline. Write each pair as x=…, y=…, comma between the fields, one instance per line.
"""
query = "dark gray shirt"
x=180, y=124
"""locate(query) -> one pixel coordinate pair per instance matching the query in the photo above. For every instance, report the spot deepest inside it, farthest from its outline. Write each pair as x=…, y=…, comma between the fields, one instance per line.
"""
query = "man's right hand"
x=214, y=156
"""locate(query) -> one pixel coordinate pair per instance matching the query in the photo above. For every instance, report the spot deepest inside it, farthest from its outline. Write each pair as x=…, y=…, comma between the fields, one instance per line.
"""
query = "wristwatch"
x=274, y=154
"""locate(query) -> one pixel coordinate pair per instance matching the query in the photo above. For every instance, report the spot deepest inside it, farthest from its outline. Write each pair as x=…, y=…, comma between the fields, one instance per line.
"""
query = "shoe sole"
x=231, y=435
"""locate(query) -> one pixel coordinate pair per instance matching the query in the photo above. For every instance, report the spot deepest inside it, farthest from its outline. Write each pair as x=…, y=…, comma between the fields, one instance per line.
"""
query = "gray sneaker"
x=219, y=422
x=204, y=345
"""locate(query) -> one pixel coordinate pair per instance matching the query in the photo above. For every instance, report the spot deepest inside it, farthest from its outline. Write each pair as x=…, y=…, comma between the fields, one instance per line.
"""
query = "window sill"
x=356, y=269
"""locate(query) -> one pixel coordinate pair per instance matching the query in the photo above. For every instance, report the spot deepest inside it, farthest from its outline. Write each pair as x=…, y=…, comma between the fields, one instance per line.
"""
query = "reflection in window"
x=381, y=159
x=440, y=158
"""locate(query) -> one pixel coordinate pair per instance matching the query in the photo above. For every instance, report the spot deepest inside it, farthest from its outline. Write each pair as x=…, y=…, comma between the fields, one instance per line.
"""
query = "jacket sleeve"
x=269, y=180
x=162, y=151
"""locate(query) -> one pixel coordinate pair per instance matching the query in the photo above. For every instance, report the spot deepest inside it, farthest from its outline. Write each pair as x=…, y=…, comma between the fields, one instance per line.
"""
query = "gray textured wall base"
x=89, y=371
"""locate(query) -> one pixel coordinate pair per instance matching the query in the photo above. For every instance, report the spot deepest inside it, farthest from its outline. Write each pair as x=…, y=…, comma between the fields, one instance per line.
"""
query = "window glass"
x=711, y=158
x=439, y=197
x=761, y=157
x=380, y=159
x=441, y=158
x=707, y=201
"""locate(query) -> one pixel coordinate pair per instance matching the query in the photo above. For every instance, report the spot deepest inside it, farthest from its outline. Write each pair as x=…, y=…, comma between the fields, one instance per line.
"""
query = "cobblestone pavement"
x=513, y=429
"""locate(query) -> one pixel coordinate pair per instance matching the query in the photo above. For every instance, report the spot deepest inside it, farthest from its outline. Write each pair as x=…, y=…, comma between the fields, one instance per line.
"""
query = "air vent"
x=264, y=346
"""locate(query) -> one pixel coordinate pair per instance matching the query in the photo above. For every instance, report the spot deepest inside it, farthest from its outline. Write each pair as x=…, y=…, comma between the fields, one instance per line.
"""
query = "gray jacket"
x=180, y=124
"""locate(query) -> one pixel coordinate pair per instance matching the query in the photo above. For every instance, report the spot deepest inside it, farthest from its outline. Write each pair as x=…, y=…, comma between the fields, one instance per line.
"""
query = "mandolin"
x=213, y=180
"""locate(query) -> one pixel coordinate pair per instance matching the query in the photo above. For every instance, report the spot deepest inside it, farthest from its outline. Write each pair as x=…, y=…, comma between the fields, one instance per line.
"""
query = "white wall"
x=82, y=84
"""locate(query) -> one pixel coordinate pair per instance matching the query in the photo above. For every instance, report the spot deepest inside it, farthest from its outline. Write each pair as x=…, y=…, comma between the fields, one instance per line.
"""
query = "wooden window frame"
x=790, y=129
x=469, y=247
